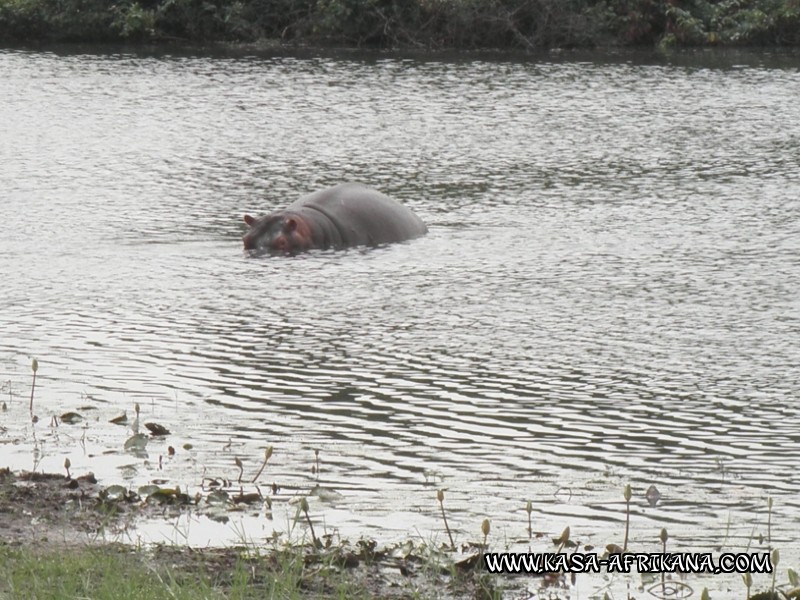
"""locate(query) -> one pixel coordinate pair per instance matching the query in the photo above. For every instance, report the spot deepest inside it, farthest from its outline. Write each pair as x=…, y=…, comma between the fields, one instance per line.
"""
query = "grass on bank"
x=118, y=573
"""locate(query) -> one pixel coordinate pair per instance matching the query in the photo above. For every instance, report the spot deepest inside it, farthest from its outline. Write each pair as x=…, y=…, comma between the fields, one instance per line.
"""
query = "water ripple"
x=608, y=294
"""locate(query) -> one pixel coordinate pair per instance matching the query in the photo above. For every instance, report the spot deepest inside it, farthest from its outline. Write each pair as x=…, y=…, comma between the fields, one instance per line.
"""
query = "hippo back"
x=362, y=215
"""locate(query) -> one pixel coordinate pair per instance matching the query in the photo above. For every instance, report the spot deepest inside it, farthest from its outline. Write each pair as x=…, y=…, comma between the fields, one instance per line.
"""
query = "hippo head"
x=279, y=233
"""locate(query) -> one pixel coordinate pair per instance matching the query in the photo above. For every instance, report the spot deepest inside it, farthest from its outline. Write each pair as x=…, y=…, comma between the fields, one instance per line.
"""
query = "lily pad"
x=115, y=493
x=137, y=442
x=70, y=418
x=146, y=490
x=250, y=498
x=217, y=497
x=169, y=496
x=120, y=419
x=157, y=429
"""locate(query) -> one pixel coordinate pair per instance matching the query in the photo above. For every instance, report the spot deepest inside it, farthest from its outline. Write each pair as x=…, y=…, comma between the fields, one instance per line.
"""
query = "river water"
x=609, y=293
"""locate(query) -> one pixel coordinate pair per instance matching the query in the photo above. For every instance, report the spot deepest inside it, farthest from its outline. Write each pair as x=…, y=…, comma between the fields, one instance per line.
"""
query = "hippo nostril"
x=281, y=244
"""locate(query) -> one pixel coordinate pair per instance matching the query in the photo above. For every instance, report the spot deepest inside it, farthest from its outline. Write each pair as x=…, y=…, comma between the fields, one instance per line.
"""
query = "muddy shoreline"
x=49, y=513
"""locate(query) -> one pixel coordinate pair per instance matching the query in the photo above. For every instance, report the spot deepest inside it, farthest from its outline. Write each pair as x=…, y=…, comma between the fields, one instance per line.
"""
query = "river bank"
x=70, y=537
x=421, y=24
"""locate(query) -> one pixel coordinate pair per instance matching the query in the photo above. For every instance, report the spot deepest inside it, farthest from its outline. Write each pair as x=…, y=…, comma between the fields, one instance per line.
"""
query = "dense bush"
x=67, y=20
x=415, y=23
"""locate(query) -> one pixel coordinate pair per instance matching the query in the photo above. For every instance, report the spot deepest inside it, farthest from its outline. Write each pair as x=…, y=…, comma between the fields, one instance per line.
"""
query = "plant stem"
x=447, y=527
x=33, y=386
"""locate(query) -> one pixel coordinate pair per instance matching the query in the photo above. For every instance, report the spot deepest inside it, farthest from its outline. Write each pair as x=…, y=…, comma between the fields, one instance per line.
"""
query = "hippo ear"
x=290, y=225
x=250, y=220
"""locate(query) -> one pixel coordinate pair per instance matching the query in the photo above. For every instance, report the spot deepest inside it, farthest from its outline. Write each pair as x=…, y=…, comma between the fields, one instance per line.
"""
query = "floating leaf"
x=246, y=498
x=217, y=497
x=169, y=496
x=70, y=418
x=120, y=419
x=470, y=563
x=219, y=517
x=137, y=442
x=403, y=550
x=163, y=495
x=146, y=490
x=114, y=493
x=157, y=429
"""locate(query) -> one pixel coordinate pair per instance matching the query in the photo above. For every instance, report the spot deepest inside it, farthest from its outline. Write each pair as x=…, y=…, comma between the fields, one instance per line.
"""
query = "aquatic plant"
x=529, y=510
x=486, y=527
x=628, y=494
x=267, y=456
x=304, y=508
x=440, y=498
x=34, y=368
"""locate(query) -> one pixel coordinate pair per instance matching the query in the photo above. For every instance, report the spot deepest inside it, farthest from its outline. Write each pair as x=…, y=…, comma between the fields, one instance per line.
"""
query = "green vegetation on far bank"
x=462, y=24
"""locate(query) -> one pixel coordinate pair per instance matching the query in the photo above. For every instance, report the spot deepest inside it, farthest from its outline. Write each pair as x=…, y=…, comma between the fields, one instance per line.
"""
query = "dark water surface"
x=609, y=293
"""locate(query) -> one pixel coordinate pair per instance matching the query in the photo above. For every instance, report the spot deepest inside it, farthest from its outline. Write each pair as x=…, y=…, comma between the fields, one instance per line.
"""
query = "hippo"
x=346, y=215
